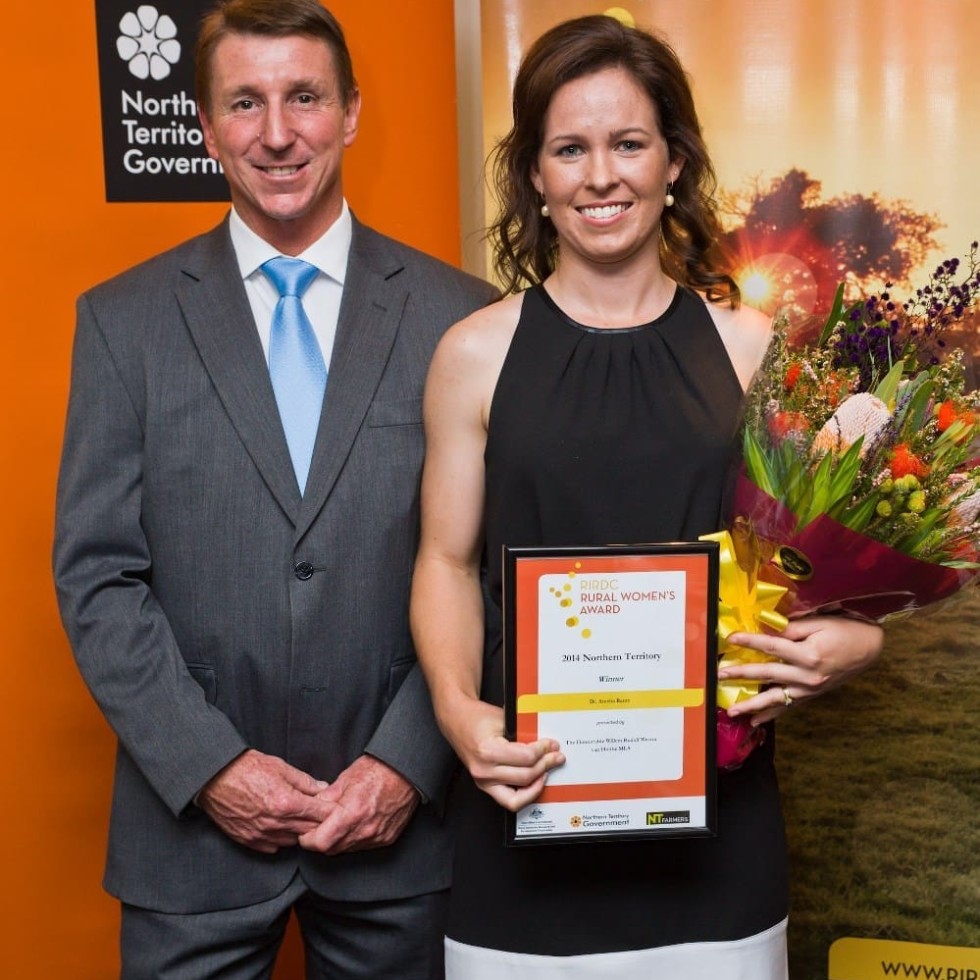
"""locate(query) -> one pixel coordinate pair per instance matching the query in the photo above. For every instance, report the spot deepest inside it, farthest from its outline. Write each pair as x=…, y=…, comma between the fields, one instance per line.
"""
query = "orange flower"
x=904, y=462
x=792, y=375
x=947, y=414
x=834, y=389
x=783, y=424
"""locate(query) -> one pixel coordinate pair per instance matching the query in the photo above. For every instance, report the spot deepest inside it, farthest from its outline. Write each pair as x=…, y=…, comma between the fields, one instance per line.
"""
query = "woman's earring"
x=545, y=213
x=669, y=197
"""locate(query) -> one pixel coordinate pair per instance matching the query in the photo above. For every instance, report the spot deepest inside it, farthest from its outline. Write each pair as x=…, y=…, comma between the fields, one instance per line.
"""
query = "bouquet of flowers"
x=860, y=485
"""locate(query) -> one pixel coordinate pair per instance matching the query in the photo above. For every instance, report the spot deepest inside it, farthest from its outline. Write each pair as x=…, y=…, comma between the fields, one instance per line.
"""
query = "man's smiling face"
x=278, y=126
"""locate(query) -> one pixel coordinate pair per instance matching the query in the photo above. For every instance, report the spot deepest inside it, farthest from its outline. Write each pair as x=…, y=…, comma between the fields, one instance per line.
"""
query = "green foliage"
x=757, y=464
x=858, y=516
x=914, y=411
x=887, y=389
x=836, y=311
x=783, y=473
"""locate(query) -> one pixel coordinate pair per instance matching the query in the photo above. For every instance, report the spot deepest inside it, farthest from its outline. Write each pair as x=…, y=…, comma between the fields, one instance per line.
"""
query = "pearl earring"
x=545, y=213
x=669, y=197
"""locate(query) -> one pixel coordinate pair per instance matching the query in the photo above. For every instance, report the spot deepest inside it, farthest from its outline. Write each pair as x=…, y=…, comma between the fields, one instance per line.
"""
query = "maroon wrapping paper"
x=851, y=572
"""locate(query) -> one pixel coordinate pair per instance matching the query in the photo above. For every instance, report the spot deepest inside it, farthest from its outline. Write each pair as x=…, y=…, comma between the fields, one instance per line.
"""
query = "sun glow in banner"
x=845, y=137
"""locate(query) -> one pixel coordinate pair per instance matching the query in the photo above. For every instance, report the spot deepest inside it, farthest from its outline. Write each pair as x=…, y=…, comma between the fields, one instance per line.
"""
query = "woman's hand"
x=818, y=653
x=512, y=773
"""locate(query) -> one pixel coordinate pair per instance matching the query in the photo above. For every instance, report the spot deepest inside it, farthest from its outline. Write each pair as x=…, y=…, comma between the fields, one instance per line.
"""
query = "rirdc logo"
x=148, y=43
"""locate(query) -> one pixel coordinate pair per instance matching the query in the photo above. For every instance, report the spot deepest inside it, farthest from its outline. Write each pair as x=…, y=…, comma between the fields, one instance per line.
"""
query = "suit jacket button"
x=303, y=570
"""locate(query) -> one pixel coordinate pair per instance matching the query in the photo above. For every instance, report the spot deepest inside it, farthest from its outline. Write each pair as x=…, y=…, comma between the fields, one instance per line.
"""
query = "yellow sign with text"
x=685, y=697
x=879, y=959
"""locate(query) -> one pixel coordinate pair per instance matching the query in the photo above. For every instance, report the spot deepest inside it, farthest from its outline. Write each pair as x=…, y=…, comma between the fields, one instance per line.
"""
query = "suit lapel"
x=370, y=312
x=212, y=297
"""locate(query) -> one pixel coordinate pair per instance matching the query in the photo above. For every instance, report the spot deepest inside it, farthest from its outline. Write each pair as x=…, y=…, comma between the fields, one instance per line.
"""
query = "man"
x=235, y=588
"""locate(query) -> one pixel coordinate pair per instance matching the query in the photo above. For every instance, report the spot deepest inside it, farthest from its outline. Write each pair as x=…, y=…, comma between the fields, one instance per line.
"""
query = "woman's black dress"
x=600, y=436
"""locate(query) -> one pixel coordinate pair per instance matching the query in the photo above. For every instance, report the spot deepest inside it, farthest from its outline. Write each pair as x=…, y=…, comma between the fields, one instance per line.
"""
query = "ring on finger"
x=787, y=697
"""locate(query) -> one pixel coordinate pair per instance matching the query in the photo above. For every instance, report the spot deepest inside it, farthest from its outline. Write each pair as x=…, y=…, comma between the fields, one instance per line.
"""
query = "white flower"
x=967, y=509
x=148, y=42
x=964, y=497
x=859, y=415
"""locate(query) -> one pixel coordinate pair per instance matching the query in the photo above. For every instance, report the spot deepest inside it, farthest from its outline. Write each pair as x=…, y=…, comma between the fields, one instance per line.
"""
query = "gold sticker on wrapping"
x=793, y=563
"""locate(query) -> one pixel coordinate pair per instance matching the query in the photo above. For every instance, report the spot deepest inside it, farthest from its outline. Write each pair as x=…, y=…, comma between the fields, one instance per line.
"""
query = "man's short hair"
x=270, y=18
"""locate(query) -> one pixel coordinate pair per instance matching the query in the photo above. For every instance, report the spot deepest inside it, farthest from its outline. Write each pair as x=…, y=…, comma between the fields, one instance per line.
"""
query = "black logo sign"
x=664, y=817
x=152, y=144
x=793, y=563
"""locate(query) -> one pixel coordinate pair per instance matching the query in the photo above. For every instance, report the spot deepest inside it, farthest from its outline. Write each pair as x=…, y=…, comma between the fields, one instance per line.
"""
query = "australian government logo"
x=152, y=144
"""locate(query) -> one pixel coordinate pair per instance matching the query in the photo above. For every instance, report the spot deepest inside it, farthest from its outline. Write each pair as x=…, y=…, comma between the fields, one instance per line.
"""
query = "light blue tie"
x=299, y=376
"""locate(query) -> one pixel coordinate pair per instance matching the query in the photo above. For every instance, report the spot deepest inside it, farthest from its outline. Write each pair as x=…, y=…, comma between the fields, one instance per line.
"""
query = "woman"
x=600, y=405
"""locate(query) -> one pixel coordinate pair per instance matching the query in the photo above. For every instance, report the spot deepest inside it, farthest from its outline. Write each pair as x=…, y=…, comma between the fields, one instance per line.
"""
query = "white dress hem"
x=759, y=957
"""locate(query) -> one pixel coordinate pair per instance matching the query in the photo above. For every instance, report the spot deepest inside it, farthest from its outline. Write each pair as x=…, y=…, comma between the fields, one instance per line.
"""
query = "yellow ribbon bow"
x=744, y=605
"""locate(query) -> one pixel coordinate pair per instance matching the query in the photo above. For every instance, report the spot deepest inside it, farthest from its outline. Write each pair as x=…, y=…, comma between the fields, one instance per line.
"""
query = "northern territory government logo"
x=152, y=144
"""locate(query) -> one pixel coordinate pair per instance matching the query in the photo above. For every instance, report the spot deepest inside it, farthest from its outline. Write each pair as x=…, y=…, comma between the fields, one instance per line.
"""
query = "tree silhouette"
x=802, y=247
x=860, y=240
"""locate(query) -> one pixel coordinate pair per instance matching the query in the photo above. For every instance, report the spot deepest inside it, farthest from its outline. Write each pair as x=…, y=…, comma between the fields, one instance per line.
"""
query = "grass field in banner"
x=881, y=792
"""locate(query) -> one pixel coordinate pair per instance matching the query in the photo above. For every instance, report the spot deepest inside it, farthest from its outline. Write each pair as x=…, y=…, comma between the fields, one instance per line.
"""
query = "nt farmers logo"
x=666, y=817
x=153, y=147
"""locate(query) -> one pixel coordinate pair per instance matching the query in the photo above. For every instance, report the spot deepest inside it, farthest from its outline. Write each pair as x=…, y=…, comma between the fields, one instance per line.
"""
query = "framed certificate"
x=612, y=652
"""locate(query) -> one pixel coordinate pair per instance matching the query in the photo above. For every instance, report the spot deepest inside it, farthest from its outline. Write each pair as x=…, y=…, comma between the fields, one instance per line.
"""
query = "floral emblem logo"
x=148, y=42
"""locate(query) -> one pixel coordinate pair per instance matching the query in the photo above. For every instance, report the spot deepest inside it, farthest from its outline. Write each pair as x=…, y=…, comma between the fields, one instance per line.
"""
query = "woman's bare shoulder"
x=484, y=336
x=752, y=324
x=745, y=332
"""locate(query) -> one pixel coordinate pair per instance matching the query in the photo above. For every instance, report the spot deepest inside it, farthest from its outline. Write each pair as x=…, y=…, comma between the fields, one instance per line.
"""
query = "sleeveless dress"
x=599, y=436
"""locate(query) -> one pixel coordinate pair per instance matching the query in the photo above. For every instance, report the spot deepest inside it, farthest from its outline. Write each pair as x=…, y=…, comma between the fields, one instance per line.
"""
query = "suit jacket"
x=210, y=607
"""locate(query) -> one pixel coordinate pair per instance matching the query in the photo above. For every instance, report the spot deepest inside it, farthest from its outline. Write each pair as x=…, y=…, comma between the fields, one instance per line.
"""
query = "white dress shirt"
x=321, y=300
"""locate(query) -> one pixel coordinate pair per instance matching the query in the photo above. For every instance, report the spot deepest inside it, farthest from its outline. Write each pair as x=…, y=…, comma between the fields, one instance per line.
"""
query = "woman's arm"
x=447, y=599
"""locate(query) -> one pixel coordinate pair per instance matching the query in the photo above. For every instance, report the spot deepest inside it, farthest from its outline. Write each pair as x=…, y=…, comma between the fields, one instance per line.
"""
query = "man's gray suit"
x=210, y=607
